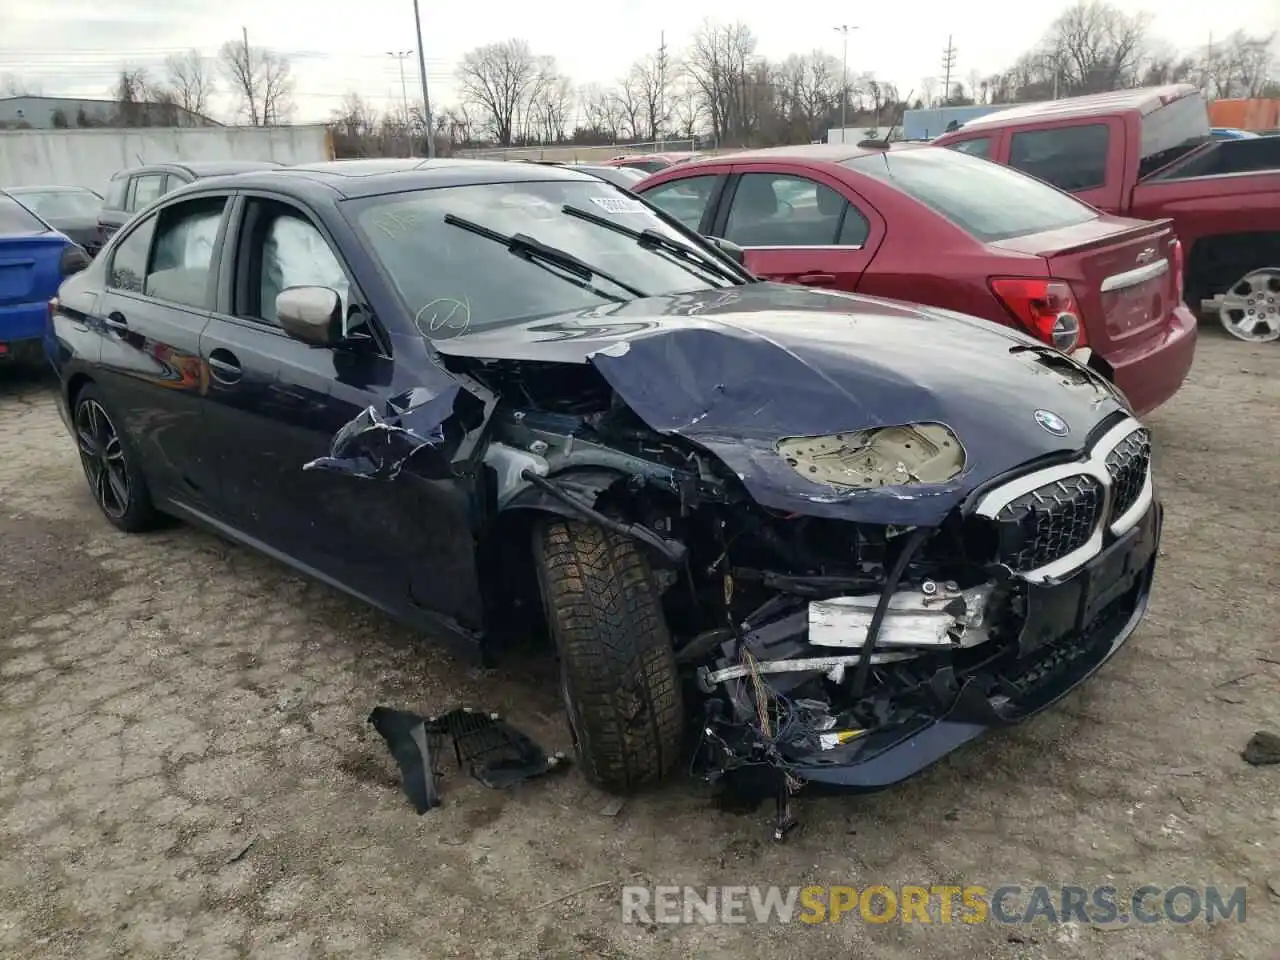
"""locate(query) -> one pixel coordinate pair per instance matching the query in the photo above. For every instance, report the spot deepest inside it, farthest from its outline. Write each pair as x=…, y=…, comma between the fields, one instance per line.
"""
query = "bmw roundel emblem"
x=1052, y=423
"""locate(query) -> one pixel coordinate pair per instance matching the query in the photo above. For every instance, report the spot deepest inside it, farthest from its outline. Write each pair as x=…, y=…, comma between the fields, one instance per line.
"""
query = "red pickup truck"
x=1148, y=153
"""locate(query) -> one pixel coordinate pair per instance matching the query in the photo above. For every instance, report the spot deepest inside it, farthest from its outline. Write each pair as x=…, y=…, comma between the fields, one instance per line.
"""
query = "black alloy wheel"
x=103, y=457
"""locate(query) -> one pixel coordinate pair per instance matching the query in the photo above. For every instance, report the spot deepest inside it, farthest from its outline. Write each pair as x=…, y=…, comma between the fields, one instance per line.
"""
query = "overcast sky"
x=75, y=47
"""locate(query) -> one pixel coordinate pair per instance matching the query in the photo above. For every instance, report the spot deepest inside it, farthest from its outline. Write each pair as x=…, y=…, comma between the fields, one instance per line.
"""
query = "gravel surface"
x=186, y=770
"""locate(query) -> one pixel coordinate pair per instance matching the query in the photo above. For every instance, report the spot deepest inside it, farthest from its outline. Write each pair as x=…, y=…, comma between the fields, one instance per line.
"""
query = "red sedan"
x=938, y=227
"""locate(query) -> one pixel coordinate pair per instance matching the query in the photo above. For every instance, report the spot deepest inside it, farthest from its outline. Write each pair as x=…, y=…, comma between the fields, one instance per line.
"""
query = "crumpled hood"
x=737, y=370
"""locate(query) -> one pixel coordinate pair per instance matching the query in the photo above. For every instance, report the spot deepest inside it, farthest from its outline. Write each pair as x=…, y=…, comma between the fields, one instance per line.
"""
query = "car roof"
x=1143, y=99
x=372, y=177
x=809, y=152
x=47, y=187
x=203, y=168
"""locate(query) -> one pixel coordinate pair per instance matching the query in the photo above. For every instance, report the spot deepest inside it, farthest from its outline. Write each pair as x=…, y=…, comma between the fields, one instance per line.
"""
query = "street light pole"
x=404, y=92
x=426, y=97
x=843, y=30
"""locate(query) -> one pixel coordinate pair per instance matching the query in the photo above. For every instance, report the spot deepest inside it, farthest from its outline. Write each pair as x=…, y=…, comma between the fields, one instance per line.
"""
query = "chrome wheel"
x=1250, y=309
x=103, y=457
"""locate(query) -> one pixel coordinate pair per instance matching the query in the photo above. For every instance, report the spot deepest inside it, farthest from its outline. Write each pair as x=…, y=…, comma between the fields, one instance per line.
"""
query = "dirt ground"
x=168, y=701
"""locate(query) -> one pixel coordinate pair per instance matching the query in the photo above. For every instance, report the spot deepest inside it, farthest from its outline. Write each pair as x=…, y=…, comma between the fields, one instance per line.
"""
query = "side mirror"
x=74, y=259
x=729, y=249
x=311, y=314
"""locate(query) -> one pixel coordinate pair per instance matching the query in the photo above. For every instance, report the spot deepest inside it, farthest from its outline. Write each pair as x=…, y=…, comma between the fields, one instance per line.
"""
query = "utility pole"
x=948, y=64
x=426, y=97
x=249, y=83
x=404, y=92
x=662, y=89
x=843, y=30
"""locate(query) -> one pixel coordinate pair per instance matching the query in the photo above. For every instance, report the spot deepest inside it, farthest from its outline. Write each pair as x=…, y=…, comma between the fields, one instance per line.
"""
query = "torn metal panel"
x=376, y=446
x=740, y=375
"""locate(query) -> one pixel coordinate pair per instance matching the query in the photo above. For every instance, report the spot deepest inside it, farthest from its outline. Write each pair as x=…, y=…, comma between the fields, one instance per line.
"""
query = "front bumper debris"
x=1072, y=627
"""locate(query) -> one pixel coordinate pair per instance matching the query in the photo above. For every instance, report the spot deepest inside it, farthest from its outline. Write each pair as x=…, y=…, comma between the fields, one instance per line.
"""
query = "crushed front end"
x=861, y=566
x=1013, y=601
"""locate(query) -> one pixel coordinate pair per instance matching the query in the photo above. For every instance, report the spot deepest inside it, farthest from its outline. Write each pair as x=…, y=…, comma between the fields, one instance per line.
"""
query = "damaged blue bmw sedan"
x=828, y=536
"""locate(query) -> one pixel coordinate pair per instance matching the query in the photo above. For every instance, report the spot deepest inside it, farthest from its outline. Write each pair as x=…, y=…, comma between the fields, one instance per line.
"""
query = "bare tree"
x=132, y=94
x=549, y=104
x=262, y=79
x=189, y=81
x=456, y=124
x=631, y=108
x=496, y=80
x=717, y=63
x=602, y=112
x=1241, y=65
x=11, y=85
x=686, y=109
x=648, y=86
x=1094, y=47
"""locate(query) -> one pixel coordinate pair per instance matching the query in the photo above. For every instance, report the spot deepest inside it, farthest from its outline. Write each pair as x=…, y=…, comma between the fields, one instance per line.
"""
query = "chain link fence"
x=578, y=154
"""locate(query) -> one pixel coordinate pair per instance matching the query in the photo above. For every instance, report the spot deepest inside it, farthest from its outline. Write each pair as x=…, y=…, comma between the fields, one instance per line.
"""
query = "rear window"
x=989, y=201
x=15, y=218
x=1171, y=131
x=60, y=204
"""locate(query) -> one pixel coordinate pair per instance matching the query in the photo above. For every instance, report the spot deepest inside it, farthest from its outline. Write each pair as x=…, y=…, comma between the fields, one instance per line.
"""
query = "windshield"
x=455, y=281
x=60, y=204
x=17, y=219
x=988, y=200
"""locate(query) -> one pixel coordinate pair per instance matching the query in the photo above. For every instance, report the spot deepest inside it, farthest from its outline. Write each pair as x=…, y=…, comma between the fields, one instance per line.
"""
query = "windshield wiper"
x=535, y=251
x=682, y=255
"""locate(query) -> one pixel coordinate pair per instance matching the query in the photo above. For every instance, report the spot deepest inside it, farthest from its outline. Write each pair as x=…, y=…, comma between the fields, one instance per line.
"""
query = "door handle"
x=816, y=279
x=116, y=321
x=224, y=366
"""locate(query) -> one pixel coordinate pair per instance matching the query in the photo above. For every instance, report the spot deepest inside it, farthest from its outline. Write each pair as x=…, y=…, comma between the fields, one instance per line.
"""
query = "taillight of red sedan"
x=1046, y=309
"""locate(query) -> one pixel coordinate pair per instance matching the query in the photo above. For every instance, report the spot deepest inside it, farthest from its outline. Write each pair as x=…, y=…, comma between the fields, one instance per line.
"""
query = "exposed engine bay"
x=818, y=644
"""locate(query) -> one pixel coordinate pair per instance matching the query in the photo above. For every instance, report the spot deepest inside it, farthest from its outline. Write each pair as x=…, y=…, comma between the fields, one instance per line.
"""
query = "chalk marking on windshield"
x=443, y=313
x=395, y=224
x=619, y=205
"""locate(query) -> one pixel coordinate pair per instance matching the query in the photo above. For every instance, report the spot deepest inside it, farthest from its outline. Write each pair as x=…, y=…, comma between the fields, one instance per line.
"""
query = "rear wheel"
x=1250, y=309
x=110, y=465
x=617, y=666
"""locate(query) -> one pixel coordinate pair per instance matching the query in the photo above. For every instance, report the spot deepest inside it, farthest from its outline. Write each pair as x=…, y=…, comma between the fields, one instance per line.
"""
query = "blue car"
x=1231, y=133
x=34, y=260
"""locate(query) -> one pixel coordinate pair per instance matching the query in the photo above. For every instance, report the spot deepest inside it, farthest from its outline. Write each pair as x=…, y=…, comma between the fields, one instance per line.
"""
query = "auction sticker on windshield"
x=619, y=205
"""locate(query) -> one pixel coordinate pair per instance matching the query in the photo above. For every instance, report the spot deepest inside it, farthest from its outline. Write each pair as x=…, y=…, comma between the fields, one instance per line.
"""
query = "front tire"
x=617, y=666
x=111, y=465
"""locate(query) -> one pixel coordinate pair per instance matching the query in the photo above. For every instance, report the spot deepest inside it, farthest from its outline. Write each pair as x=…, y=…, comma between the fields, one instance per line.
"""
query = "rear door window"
x=988, y=200
x=183, y=254
x=17, y=219
x=783, y=210
x=129, y=259
x=146, y=188
x=977, y=147
x=1071, y=158
x=685, y=199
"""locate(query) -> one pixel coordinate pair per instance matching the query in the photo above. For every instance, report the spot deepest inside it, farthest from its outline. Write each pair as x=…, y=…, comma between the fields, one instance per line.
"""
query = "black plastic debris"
x=415, y=747
x=495, y=752
x=376, y=446
x=1262, y=749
